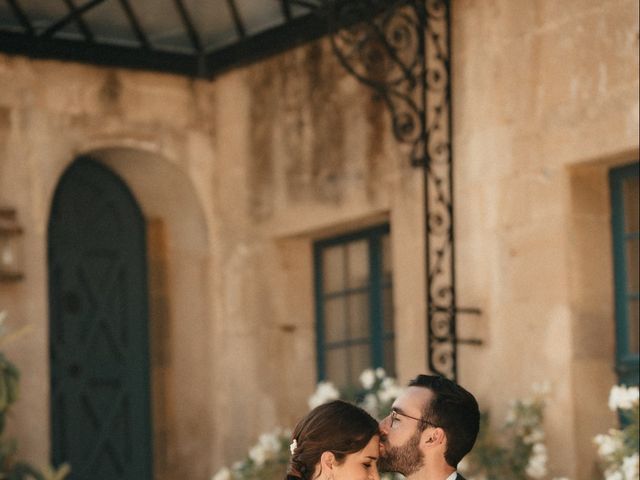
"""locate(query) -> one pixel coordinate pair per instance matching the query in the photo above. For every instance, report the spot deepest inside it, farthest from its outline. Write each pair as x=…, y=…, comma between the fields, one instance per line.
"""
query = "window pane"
x=387, y=310
x=386, y=257
x=358, y=262
x=333, y=268
x=634, y=329
x=360, y=359
x=359, y=316
x=633, y=265
x=631, y=204
x=389, y=357
x=625, y=199
x=337, y=367
x=335, y=320
x=350, y=270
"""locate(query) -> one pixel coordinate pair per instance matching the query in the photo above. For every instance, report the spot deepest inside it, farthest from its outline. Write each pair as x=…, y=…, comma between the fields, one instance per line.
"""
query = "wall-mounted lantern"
x=10, y=246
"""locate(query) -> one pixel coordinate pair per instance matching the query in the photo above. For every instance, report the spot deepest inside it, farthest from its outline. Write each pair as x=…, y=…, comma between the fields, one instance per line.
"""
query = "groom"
x=432, y=425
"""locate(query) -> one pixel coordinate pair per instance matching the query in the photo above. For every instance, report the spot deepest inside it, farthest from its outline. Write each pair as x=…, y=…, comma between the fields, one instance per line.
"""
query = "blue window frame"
x=625, y=201
x=354, y=312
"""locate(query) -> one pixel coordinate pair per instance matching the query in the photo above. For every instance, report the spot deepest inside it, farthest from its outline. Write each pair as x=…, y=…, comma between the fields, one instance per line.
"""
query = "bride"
x=335, y=441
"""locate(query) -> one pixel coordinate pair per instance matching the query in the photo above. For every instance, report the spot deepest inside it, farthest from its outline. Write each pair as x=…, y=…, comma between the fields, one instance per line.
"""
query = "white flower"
x=380, y=373
x=630, y=467
x=608, y=444
x=293, y=446
x=389, y=390
x=267, y=448
x=3, y=316
x=537, y=466
x=223, y=474
x=370, y=404
x=614, y=397
x=368, y=378
x=325, y=392
x=535, y=436
x=622, y=398
x=258, y=455
x=540, y=449
x=511, y=415
x=269, y=443
x=613, y=474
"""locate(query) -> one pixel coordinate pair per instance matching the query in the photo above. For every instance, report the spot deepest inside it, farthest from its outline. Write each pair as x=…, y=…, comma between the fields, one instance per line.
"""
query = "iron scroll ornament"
x=401, y=50
x=384, y=45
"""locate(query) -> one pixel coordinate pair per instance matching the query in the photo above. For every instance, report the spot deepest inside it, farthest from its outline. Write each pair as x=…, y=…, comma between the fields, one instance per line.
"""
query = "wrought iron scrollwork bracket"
x=401, y=49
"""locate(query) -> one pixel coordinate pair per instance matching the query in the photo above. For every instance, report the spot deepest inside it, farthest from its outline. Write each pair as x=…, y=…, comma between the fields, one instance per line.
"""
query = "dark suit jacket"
x=460, y=477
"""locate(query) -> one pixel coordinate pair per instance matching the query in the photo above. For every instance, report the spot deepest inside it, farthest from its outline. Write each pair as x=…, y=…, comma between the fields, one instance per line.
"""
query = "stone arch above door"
x=180, y=312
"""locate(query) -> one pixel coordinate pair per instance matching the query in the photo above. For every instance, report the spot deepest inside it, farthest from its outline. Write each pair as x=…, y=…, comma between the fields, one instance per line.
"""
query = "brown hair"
x=338, y=427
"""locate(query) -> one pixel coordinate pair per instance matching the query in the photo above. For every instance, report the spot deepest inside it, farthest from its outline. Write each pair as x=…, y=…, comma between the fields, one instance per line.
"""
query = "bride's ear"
x=327, y=461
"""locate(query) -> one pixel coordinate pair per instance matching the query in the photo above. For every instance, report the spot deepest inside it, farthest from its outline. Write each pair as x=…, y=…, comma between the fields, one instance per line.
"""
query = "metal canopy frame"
x=200, y=60
x=401, y=49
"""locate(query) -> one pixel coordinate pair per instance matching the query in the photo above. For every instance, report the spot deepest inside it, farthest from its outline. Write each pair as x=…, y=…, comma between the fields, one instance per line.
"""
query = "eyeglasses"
x=395, y=414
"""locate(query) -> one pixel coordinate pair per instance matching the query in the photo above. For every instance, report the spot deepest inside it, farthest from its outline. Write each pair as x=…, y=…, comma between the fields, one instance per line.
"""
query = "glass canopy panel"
x=214, y=21
x=160, y=20
x=260, y=16
x=41, y=13
x=228, y=32
x=109, y=23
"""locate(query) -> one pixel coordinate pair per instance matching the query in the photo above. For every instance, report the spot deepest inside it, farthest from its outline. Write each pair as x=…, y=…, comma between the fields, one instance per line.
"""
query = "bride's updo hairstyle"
x=338, y=427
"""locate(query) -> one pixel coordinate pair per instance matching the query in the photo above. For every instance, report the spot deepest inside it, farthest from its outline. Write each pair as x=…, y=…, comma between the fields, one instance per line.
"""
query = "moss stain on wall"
x=376, y=111
x=111, y=92
x=296, y=127
x=327, y=154
x=263, y=111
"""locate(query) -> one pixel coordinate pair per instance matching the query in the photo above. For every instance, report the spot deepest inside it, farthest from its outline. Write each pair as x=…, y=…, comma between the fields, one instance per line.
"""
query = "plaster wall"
x=248, y=170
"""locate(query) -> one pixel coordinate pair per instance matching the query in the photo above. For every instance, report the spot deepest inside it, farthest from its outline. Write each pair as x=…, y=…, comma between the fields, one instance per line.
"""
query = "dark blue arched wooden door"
x=99, y=342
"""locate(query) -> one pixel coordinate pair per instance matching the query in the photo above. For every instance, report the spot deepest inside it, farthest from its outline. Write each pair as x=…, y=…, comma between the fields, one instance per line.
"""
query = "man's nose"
x=384, y=424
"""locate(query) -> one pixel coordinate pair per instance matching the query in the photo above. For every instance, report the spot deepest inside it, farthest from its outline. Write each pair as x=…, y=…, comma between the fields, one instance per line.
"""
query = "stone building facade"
x=238, y=177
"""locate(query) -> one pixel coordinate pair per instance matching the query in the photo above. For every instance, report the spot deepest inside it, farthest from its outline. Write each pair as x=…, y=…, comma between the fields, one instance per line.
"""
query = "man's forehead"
x=413, y=400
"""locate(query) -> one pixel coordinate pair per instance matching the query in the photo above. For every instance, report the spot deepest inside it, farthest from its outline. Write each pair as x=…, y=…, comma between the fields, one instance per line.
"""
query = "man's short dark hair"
x=453, y=409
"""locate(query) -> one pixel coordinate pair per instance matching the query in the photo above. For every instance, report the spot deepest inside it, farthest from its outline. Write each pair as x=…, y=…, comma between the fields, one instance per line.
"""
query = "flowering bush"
x=618, y=449
x=268, y=458
x=379, y=392
x=10, y=468
x=520, y=453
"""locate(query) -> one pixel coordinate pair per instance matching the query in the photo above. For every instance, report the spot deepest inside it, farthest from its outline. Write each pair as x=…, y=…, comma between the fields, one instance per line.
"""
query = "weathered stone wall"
x=243, y=173
x=546, y=100
x=151, y=130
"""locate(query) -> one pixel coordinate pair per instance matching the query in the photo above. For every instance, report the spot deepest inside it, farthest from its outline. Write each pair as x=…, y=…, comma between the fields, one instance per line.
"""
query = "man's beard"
x=405, y=459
